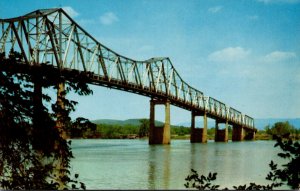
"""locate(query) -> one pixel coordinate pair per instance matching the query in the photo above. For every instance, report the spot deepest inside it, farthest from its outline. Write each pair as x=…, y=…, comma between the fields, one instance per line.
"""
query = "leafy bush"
x=282, y=129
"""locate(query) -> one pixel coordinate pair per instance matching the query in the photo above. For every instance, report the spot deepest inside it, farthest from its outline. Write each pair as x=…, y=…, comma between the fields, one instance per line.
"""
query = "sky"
x=244, y=53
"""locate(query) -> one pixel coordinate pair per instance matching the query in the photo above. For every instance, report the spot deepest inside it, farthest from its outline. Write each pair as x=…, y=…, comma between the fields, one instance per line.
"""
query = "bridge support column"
x=250, y=135
x=238, y=133
x=221, y=135
x=159, y=135
x=198, y=135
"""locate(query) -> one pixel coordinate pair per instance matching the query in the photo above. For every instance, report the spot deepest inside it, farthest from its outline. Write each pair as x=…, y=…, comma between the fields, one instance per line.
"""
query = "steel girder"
x=51, y=36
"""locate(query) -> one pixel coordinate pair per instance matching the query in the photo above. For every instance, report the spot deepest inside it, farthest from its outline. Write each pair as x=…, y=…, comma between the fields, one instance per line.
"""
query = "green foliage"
x=281, y=129
x=201, y=182
x=211, y=133
x=107, y=131
x=180, y=130
x=33, y=150
x=262, y=135
x=144, y=128
x=82, y=128
x=289, y=174
x=112, y=131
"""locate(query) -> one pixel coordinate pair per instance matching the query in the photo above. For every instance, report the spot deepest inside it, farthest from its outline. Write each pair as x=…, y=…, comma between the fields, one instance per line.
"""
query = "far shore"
x=182, y=137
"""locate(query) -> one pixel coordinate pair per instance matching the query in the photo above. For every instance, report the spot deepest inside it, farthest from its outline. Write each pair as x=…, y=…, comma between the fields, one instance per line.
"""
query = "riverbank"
x=127, y=131
x=258, y=136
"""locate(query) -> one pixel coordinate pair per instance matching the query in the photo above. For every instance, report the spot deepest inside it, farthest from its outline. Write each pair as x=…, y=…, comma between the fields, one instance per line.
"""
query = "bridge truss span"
x=51, y=36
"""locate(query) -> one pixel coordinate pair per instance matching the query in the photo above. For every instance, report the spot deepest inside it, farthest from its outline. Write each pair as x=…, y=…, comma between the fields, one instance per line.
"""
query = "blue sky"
x=244, y=53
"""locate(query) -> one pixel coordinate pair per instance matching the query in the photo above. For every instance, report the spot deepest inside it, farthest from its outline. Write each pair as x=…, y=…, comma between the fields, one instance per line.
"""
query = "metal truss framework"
x=51, y=36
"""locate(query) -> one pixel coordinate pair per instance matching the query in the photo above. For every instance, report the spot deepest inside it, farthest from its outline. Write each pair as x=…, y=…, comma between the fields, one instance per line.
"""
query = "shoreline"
x=174, y=138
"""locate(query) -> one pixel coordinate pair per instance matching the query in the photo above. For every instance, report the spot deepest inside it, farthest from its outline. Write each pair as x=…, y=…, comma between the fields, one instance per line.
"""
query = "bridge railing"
x=51, y=36
x=234, y=115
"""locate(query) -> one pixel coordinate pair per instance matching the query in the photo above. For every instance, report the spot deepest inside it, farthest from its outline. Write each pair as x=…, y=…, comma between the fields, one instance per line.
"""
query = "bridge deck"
x=53, y=37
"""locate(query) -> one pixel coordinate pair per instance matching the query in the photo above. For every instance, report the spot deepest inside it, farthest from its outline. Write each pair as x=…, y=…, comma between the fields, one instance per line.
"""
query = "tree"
x=281, y=129
x=34, y=153
x=82, y=127
x=289, y=174
x=230, y=129
x=181, y=130
x=144, y=127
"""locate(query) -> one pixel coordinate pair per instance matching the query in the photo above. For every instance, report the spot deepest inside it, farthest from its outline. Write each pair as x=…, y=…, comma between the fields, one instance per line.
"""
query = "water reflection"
x=239, y=161
x=199, y=156
x=224, y=158
x=159, y=166
x=133, y=164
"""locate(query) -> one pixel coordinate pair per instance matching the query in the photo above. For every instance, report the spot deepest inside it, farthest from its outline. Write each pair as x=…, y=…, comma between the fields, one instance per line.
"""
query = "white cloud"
x=230, y=54
x=279, y=1
x=253, y=17
x=108, y=18
x=215, y=9
x=70, y=11
x=279, y=56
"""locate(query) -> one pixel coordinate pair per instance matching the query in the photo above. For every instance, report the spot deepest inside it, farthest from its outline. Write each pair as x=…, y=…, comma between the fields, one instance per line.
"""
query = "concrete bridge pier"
x=159, y=135
x=238, y=133
x=221, y=135
x=198, y=135
x=250, y=135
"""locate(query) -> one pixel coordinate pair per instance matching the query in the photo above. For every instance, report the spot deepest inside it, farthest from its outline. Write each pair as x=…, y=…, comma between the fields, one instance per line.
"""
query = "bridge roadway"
x=51, y=36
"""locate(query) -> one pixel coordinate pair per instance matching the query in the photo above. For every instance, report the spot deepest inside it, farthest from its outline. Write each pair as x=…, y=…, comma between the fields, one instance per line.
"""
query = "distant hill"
x=135, y=122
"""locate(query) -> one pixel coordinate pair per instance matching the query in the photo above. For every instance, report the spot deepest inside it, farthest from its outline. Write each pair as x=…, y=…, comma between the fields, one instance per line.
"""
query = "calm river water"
x=133, y=164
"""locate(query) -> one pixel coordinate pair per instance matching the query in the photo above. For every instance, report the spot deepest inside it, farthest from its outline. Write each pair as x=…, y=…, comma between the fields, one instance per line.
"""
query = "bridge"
x=51, y=36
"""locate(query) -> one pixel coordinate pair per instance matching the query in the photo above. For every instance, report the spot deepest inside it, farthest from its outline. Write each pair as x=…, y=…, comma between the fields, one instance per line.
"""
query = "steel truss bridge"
x=51, y=36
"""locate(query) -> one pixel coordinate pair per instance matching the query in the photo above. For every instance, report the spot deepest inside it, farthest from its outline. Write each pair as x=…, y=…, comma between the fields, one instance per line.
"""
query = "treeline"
x=112, y=131
x=283, y=130
x=107, y=131
x=85, y=129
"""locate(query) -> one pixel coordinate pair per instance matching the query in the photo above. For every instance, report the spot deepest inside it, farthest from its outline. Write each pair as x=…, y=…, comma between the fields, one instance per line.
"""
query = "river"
x=133, y=164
